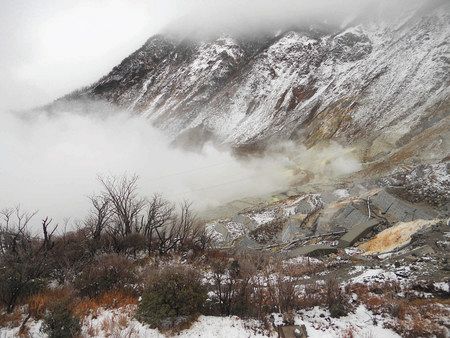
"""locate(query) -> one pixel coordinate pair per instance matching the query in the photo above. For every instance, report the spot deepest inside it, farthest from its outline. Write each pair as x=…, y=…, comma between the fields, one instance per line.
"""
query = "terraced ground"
x=374, y=216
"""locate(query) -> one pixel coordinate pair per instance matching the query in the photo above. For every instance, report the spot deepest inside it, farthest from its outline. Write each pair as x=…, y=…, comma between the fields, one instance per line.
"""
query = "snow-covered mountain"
x=381, y=84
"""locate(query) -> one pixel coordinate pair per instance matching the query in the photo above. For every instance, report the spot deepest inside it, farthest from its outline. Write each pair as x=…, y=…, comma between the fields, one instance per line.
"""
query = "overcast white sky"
x=51, y=47
x=48, y=48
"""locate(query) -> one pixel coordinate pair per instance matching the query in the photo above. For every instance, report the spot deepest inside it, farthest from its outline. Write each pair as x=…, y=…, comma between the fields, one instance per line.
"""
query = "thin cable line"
x=187, y=171
x=215, y=186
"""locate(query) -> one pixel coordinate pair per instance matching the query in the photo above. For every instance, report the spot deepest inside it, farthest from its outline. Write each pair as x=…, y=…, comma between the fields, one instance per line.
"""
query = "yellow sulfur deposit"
x=395, y=237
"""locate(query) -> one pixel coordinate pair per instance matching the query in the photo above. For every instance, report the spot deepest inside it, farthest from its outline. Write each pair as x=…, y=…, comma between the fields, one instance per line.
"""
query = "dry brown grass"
x=348, y=333
x=123, y=321
x=377, y=297
x=39, y=303
x=106, y=325
x=92, y=331
x=314, y=295
x=421, y=318
x=13, y=319
x=215, y=255
x=411, y=316
x=374, y=302
x=24, y=331
x=114, y=326
x=299, y=270
x=108, y=300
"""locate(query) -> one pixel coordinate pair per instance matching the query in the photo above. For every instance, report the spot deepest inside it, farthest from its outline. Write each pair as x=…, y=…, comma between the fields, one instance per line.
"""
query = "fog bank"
x=51, y=163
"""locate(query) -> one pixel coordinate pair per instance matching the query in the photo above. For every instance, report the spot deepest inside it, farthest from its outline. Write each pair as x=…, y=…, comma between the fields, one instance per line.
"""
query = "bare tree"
x=13, y=227
x=5, y=217
x=126, y=205
x=24, y=257
x=159, y=214
x=129, y=217
x=47, y=243
x=185, y=227
x=99, y=216
x=189, y=231
x=177, y=230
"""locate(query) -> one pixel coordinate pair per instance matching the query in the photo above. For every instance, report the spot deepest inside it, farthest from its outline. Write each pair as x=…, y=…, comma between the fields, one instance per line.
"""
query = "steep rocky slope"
x=379, y=84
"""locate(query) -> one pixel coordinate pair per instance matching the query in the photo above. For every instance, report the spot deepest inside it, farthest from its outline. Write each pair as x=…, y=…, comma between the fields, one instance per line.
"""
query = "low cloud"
x=256, y=16
x=51, y=163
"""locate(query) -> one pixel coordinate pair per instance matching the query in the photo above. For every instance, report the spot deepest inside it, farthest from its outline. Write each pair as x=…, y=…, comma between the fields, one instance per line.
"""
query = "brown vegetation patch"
x=267, y=232
x=304, y=269
x=12, y=319
x=411, y=316
x=109, y=300
x=39, y=303
x=299, y=94
x=329, y=121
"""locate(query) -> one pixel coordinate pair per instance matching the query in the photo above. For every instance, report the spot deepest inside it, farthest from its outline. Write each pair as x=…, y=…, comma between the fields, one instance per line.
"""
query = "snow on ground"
x=357, y=269
x=235, y=229
x=351, y=251
x=263, y=217
x=319, y=324
x=230, y=230
x=205, y=326
x=290, y=207
x=213, y=233
x=302, y=260
x=442, y=286
x=225, y=327
x=120, y=323
x=374, y=275
x=34, y=330
x=341, y=193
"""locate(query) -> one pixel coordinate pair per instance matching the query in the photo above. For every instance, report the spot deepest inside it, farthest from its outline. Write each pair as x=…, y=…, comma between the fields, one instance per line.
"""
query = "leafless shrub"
x=158, y=215
x=121, y=194
x=282, y=287
x=237, y=287
x=71, y=252
x=105, y=273
x=336, y=300
x=99, y=217
x=122, y=213
x=307, y=268
x=283, y=293
x=313, y=295
x=24, y=258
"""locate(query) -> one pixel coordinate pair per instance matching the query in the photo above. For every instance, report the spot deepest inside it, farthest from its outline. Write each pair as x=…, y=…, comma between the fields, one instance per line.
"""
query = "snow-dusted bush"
x=105, y=273
x=59, y=321
x=336, y=299
x=171, y=295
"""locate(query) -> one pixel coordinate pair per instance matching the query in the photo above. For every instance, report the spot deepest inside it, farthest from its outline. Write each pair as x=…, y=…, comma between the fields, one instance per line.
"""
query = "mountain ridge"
x=374, y=85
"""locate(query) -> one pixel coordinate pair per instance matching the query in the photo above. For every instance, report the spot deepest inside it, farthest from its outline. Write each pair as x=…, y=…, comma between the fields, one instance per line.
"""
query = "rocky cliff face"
x=380, y=85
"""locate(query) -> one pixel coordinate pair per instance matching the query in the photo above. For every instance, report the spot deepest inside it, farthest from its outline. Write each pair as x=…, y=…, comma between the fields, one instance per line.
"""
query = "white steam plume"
x=51, y=163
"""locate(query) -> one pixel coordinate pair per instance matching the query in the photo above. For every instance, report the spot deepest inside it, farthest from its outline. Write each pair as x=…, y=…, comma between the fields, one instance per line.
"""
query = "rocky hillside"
x=377, y=84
